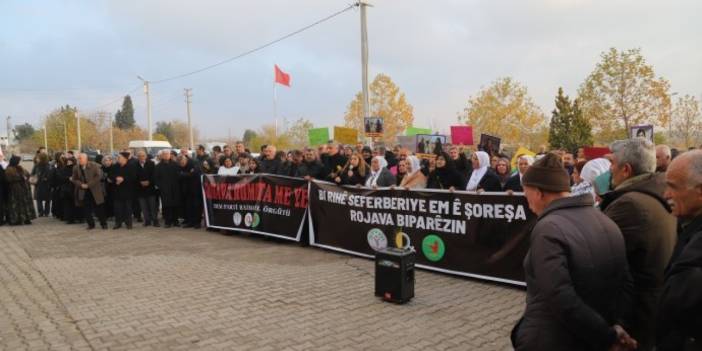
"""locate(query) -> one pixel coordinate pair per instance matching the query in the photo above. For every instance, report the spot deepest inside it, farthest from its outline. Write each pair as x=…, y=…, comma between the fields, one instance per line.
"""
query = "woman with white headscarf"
x=515, y=182
x=482, y=177
x=379, y=176
x=585, y=179
x=415, y=179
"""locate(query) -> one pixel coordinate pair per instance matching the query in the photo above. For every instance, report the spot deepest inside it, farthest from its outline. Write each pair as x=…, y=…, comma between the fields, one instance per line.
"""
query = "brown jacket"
x=642, y=214
x=93, y=177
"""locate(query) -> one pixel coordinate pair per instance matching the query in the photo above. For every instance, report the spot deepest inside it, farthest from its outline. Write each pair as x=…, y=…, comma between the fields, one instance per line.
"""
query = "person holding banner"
x=514, y=183
x=310, y=168
x=483, y=177
x=445, y=176
x=228, y=168
x=354, y=172
x=333, y=161
x=191, y=192
x=576, y=269
x=415, y=179
x=380, y=176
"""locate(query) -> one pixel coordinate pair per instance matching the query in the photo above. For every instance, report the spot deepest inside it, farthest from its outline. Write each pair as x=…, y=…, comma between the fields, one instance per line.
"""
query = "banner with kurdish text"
x=483, y=236
x=256, y=203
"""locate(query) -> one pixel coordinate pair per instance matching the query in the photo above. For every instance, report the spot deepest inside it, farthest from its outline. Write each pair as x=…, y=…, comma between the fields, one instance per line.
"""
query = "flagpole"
x=275, y=107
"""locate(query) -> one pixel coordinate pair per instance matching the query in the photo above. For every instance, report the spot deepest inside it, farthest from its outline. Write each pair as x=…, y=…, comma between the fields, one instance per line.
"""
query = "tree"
x=61, y=130
x=506, y=110
x=687, y=120
x=166, y=129
x=23, y=131
x=124, y=118
x=386, y=101
x=297, y=133
x=267, y=136
x=568, y=130
x=249, y=136
x=176, y=132
x=621, y=92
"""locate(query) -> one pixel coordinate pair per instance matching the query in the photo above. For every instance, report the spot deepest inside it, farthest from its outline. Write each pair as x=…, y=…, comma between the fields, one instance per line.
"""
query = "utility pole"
x=364, y=60
x=148, y=106
x=188, y=95
x=9, y=130
x=46, y=142
x=80, y=148
x=65, y=135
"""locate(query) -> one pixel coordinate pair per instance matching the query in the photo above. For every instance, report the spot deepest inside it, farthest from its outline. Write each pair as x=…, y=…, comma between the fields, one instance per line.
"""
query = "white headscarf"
x=479, y=173
x=414, y=163
x=594, y=168
x=373, y=178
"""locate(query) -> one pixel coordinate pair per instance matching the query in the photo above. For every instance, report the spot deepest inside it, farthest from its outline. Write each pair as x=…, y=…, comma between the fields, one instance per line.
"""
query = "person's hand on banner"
x=510, y=192
x=84, y=186
x=144, y=183
x=451, y=189
x=337, y=179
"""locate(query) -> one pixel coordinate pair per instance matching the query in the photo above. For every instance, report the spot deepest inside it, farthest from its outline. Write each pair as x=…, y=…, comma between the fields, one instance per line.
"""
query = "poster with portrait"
x=489, y=144
x=642, y=131
x=430, y=143
x=373, y=126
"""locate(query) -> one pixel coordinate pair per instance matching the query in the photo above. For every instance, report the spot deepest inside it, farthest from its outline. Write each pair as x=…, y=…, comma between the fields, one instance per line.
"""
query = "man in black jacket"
x=576, y=269
x=680, y=309
x=125, y=185
x=333, y=161
x=289, y=168
x=146, y=191
x=166, y=179
x=310, y=168
x=269, y=163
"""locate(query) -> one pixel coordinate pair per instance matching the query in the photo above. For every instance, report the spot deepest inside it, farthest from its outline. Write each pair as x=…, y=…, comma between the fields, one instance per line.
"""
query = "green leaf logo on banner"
x=412, y=131
x=433, y=247
x=318, y=136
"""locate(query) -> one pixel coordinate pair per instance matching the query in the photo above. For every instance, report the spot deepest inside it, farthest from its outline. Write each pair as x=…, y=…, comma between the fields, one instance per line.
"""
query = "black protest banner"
x=256, y=203
x=478, y=235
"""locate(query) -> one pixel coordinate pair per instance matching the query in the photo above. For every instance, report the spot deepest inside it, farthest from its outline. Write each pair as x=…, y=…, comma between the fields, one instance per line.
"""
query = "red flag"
x=281, y=77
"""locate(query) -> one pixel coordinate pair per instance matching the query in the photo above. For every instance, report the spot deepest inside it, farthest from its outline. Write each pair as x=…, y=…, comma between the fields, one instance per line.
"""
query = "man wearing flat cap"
x=576, y=269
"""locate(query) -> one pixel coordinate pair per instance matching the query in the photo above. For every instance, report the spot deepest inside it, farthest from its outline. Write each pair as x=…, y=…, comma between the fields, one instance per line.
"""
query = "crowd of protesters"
x=615, y=259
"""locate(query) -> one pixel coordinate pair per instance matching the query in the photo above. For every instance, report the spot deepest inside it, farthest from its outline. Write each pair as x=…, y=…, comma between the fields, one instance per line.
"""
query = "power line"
x=246, y=53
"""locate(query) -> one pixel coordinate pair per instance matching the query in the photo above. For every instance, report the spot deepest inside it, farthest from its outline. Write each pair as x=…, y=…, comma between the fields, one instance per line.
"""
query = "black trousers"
x=43, y=207
x=148, y=209
x=169, y=215
x=90, y=207
x=193, y=212
x=123, y=212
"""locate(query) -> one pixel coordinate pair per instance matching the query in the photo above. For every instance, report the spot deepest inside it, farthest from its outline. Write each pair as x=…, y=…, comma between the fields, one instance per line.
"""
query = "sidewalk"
x=63, y=288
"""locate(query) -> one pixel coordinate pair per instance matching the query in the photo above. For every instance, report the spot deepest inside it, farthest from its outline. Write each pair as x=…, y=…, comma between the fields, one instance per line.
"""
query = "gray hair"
x=639, y=153
x=694, y=171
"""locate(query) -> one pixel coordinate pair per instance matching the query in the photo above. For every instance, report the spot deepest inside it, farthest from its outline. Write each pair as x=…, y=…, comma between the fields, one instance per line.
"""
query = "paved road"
x=62, y=288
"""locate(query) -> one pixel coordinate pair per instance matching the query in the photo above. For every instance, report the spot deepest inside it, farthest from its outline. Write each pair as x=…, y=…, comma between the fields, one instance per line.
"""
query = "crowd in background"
x=615, y=257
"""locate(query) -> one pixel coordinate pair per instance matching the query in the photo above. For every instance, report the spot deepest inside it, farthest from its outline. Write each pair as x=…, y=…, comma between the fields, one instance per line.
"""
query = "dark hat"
x=547, y=174
x=125, y=154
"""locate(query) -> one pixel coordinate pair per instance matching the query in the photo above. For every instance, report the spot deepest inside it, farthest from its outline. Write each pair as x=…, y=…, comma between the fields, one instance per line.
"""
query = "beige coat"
x=93, y=177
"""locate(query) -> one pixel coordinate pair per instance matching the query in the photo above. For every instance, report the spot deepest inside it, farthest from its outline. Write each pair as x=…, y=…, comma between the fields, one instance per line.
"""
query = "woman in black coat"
x=42, y=188
x=108, y=170
x=191, y=192
x=354, y=172
x=124, y=178
x=167, y=180
x=445, y=175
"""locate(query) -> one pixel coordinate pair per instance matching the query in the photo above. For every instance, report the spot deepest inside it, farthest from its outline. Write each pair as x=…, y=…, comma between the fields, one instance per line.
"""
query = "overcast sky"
x=88, y=54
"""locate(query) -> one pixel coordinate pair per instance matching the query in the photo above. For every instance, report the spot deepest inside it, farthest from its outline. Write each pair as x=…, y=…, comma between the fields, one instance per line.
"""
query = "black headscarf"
x=15, y=161
x=446, y=176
